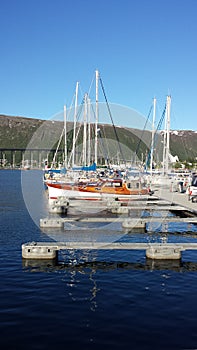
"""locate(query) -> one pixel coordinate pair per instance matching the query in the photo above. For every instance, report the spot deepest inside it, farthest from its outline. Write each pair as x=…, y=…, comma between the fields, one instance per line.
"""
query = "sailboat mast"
x=89, y=150
x=65, y=138
x=75, y=122
x=85, y=131
x=153, y=136
x=168, y=132
x=96, y=122
x=166, y=141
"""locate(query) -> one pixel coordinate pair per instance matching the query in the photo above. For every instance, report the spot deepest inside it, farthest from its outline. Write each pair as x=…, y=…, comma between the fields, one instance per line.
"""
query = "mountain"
x=184, y=144
x=18, y=132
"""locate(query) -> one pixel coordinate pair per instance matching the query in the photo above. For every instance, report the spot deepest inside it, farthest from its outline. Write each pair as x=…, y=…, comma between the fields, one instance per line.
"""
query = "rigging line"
x=100, y=140
x=78, y=131
x=161, y=119
x=102, y=147
x=70, y=108
x=155, y=133
x=105, y=153
x=93, y=78
x=140, y=140
x=61, y=136
x=106, y=141
x=159, y=125
x=117, y=138
x=55, y=154
x=80, y=110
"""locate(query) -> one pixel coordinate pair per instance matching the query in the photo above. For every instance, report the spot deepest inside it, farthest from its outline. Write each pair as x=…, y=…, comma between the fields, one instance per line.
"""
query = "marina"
x=80, y=286
x=178, y=210
x=98, y=175
x=99, y=240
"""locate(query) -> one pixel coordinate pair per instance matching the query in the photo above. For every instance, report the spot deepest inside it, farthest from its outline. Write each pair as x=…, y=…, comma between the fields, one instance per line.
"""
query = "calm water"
x=89, y=300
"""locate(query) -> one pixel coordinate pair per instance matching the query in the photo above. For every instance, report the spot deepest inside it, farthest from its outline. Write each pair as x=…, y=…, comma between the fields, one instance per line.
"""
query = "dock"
x=163, y=251
x=177, y=198
x=131, y=214
x=148, y=207
x=181, y=211
x=143, y=222
x=137, y=222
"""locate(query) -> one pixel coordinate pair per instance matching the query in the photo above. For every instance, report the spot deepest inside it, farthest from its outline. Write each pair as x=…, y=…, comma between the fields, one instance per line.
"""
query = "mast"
x=168, y=132
x=75, y=121
x=96, y=122
x=166, y=148
x=89, y=151
x=65, y=139
x=85, y=131
x=153, y=136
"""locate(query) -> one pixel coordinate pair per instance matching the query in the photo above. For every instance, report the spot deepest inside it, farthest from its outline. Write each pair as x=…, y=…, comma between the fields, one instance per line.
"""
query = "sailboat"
x=70, y=171
x=117, y=188
x=91, y=187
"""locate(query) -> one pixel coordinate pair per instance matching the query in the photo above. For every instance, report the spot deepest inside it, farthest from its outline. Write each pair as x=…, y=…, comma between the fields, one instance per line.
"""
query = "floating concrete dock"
x=59, y=206
x=137, y=222
x=143, y=222
x=44, y=250
x=164, y=251
x=128, y=209
x=176, y=203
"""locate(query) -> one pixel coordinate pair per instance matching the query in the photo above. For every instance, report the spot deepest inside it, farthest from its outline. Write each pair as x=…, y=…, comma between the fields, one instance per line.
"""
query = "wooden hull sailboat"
x=112, y=188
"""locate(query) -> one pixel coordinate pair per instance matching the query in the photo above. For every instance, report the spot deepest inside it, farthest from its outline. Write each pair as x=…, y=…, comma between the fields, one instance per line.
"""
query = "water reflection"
x=83, y=275
x=90, y=267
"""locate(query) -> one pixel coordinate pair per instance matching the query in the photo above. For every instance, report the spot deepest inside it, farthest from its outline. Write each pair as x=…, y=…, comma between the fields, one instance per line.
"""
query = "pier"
x=130, y=214
x=181, y=199
x=167, y=251
x=175, y=203
x=137, y=222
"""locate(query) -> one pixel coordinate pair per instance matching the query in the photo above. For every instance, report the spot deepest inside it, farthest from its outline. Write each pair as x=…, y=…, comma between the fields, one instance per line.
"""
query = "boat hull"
x=77, y=192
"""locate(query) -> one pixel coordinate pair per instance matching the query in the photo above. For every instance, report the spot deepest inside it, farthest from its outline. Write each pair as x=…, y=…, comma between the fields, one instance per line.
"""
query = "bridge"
x=15, y=156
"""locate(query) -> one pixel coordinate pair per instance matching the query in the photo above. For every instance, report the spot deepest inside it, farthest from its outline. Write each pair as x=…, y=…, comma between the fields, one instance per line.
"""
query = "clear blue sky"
x=142, y=48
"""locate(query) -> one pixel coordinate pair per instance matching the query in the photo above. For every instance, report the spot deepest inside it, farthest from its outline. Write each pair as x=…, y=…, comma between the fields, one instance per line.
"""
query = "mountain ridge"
x=17, y=131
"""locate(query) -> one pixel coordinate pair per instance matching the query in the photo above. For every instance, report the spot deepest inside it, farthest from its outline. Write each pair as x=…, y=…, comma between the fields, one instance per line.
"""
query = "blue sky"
x=142, y=49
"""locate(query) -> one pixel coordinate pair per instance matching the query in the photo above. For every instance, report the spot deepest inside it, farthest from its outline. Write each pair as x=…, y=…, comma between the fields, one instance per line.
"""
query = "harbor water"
x=89, y=299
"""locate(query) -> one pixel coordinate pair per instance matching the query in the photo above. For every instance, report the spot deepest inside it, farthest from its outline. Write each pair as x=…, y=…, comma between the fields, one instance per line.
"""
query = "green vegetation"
x=19, y=133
